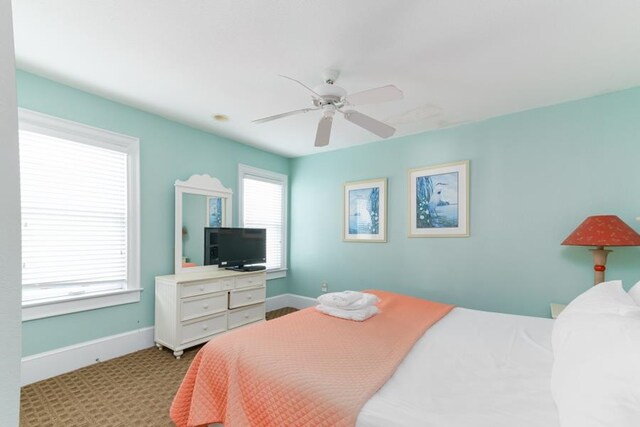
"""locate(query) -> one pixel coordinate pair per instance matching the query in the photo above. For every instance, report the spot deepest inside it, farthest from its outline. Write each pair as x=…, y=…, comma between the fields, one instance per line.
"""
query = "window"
x=79, y=201
x=263, y=204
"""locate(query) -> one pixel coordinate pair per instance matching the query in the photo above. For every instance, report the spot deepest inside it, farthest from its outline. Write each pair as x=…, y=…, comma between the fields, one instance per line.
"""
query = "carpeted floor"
x=132, y=390
x=280, y=312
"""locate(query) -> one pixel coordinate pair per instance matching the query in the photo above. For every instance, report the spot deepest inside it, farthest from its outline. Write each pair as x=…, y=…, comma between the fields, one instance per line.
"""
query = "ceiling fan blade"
x=324, y=131
x=383, y=130
x=279, y=116
x=303, y=85
x=374, y=96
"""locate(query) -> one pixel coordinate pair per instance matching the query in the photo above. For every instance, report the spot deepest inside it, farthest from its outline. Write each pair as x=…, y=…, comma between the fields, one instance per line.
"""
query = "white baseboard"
x=289, y=300
x=45, y=365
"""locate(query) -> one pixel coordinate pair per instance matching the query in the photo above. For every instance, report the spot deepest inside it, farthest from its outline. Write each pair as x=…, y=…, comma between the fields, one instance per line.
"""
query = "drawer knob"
x=249, y=296
x=246, y=316
x=206, y=306
x=202, y=288
x=205, y=327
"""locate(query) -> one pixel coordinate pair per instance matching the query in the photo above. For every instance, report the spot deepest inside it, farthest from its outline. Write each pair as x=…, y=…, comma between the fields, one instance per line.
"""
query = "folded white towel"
x=367, y=300
x=339, y=299
x=357, y=315
x=348, y=301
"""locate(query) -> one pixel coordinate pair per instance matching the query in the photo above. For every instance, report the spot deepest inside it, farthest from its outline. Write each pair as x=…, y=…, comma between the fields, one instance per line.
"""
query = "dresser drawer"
x=203, y=328
x=205, y=287
x=242, y=316
x=191, y=308
x=253, y=281
x=247, y=297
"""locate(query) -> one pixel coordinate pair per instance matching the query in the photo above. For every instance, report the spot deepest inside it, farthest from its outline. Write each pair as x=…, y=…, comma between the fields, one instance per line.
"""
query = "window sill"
x=277, y=274
x=74, y=304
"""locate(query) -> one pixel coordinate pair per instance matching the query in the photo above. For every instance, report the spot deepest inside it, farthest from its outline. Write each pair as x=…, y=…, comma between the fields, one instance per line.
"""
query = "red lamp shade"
x=603, y=230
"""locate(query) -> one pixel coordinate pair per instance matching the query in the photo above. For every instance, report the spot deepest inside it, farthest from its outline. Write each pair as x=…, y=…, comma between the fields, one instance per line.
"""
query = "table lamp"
x=601, y=231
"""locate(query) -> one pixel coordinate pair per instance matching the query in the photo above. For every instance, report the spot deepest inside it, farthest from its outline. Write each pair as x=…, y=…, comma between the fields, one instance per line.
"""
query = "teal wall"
x=168, y=151
x=534, y=176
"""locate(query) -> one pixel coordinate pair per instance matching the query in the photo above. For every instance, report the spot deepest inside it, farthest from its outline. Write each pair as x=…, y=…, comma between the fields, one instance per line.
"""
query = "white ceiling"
x=456, y=61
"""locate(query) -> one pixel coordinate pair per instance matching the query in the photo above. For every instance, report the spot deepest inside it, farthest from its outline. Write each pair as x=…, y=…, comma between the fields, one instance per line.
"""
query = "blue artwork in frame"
x=365, y=211
x=214, y=212
x=364, y=214
x=439, y=201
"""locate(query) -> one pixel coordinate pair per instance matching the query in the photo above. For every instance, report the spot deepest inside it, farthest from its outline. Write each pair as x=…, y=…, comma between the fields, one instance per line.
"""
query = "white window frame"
x=274, y=177
x=65, y=129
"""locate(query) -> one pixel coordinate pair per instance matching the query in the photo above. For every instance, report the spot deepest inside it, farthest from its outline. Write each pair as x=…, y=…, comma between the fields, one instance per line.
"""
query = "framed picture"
x=365, y=211
x=439, y=200
x=215, y=212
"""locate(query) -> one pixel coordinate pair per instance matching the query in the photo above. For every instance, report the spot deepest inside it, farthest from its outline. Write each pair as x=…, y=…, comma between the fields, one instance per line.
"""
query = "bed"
x=466, y=368
x=472, y=368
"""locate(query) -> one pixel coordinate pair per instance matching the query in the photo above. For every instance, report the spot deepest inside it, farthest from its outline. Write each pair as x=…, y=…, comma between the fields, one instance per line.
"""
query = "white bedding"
x=471, y=369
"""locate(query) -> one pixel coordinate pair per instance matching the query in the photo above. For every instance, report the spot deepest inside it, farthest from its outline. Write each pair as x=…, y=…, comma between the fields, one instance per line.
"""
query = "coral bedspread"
x=305, y=368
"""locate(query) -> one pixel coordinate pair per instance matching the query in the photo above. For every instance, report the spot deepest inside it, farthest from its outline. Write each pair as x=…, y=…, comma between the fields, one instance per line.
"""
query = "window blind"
x=74, y=217
x=262, y=208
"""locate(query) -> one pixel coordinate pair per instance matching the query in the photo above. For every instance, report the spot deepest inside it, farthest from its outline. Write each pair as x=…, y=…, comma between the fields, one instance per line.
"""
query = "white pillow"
x=634, y=293
x=605, y=298
x=596, y=375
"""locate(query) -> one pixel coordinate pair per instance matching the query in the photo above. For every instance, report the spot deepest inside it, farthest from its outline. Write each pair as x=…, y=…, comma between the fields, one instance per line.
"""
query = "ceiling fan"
x=331, y=98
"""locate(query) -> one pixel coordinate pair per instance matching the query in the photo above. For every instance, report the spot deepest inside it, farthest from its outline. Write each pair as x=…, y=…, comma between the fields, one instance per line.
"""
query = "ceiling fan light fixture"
x=329, y=110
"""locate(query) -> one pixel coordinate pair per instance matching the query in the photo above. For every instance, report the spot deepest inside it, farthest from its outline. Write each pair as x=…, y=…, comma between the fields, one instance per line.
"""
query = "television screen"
x=235, y=247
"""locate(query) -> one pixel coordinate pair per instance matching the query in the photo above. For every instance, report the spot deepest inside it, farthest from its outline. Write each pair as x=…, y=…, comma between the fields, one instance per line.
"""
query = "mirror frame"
x=204, y=185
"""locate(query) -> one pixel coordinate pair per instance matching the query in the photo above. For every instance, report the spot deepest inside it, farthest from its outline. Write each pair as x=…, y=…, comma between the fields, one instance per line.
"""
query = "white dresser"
x=192, y=308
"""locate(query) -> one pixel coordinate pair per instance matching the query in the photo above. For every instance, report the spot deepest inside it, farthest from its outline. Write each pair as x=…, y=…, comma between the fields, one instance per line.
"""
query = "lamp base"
x=599, y=263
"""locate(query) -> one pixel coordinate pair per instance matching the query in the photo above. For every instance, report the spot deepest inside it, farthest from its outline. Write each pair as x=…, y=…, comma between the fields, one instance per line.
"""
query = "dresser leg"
x=159, y=346
x=178, y=353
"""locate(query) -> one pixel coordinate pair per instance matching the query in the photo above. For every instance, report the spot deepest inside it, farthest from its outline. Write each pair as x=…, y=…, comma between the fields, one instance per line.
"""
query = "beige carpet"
x=132, y=390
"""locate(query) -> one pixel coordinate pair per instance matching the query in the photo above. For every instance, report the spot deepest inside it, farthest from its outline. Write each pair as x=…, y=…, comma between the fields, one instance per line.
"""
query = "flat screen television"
x=235, y=248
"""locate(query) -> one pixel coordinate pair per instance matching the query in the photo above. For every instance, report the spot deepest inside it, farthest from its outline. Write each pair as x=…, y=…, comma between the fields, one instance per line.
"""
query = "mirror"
x=201, y=201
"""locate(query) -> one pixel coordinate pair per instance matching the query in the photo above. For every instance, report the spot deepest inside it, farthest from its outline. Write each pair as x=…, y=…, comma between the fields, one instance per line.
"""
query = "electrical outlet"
x=324, y=287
